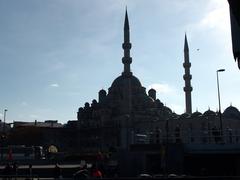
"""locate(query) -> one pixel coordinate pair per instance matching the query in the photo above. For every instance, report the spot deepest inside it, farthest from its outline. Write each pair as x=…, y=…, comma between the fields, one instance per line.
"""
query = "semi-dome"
x=231, y=112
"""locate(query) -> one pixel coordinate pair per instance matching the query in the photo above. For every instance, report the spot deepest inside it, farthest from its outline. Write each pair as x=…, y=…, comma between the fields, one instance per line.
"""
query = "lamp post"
x=219, y=102
x=167, y=147
x=4, y=120
x=3, y=134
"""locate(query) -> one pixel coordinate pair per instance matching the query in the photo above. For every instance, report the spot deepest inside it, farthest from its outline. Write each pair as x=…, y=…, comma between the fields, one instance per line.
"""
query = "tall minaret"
x=126, y=60
x=187, y=78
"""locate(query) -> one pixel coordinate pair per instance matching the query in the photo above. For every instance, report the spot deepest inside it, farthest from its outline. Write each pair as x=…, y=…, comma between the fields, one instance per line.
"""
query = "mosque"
x=139, y=132
x=126, y=119
x=127, y=111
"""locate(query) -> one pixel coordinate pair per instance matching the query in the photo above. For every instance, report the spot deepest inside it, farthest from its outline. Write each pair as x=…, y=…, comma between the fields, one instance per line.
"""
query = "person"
x=96, y=173
x=7, y=171
x=82, y=173
x=15, y=169
x=203, y=171
x=57, y=171
x=30, y=170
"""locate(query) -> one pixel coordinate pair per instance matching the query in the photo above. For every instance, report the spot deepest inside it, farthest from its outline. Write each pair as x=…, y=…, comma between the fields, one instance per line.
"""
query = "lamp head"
x=220, y=70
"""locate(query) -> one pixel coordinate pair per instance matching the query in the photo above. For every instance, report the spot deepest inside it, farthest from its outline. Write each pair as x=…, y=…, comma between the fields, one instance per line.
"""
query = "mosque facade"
x=127, y=115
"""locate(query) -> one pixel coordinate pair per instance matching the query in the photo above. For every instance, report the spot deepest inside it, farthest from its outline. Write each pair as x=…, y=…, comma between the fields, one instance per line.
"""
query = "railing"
x=191, y=137
x=15, y=177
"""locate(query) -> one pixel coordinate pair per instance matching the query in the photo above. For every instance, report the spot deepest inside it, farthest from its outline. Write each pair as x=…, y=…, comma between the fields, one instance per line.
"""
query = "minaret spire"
x=126, y=60
x=187, y=78
x=186, y=44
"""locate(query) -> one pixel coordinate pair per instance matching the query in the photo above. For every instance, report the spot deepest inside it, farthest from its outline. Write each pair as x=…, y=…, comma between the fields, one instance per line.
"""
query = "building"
x=141, y=129
x=234, y=8
x=139, y=132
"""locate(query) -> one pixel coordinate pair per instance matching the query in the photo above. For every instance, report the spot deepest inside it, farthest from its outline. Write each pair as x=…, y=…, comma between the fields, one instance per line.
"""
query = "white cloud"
x=161, y=88
x=1, y=115
x=217, y=17
x=54, y=85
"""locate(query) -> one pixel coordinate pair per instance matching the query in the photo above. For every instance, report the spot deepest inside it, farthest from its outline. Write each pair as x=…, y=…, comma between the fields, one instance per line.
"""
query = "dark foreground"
x=68, y=170
x=125, y=178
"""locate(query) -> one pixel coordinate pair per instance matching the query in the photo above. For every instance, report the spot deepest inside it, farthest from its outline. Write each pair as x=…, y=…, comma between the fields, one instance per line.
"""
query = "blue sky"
x=57, y=54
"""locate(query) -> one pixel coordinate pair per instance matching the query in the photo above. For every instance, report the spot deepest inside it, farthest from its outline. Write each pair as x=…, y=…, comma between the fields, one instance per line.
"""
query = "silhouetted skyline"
x=56, y=55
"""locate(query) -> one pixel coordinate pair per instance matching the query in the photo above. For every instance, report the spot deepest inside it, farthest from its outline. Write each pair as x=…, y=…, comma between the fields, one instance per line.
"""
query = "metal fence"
x=214, y=136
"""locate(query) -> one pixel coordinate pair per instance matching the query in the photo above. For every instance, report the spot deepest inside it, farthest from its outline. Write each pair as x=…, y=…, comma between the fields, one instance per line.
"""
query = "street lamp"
x=219, y=103
x=2, y=138
x=4, y=119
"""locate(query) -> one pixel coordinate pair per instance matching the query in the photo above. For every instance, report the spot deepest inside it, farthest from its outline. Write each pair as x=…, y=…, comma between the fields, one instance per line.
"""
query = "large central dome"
x=127, y=94
x=125, y=87
x=121, y=81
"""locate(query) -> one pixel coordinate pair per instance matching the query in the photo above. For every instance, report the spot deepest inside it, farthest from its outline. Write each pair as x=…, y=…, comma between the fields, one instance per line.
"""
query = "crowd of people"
x=85, y=172
x=11, y=170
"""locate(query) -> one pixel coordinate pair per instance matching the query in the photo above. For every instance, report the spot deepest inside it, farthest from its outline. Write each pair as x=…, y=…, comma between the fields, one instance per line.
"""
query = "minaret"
x=126, y=60
x=187, y=78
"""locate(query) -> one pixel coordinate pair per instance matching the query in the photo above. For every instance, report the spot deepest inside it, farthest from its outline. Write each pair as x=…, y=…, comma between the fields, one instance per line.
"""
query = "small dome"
x=102, y=91
x=94, y=103
x=231, y=112
x=184, y=115
x=151, y=90
x=174, y=115
x=86, y=105
x=152, y=93
x=209, y=113
x=196, y=114
x=80, y=109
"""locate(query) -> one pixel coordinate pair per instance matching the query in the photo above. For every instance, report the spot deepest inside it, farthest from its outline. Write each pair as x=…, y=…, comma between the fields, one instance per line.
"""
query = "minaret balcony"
x=126, y=45
x=126, y=60
x=188, y=88
x=187, y=77
x=186, y=64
